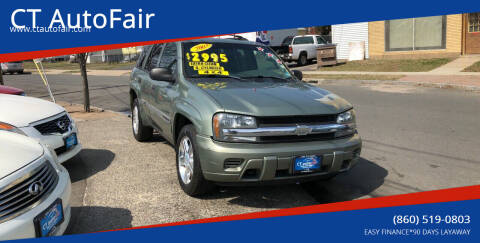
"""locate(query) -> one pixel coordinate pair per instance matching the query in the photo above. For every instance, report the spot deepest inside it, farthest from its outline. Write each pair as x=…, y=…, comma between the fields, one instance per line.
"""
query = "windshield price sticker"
x=206, y=63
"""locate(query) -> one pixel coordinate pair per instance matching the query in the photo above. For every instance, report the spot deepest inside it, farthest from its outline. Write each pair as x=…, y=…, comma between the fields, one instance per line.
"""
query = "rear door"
x=139, y=76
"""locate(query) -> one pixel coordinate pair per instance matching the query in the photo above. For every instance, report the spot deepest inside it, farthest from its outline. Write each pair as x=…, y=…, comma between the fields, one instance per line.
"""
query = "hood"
x=272, y=98
x=20, y=111
x=17, y=151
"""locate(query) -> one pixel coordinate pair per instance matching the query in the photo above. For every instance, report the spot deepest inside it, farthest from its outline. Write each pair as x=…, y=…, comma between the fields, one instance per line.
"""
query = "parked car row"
x=36, y=136
x=235, y=113
x=12, y=67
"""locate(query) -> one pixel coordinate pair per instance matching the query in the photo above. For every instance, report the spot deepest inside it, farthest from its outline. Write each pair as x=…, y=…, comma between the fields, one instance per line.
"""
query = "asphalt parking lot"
x=415, y=139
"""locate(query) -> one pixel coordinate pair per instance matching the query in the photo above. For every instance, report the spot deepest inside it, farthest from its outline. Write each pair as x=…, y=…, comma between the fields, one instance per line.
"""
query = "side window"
x=303, y=40
x=169, y=57
x=154, y=58
x=143, y=56
x=320, y=40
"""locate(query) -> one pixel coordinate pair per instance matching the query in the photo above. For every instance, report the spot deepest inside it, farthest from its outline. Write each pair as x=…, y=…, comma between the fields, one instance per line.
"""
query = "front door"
x=165, y=91
x=472, y=33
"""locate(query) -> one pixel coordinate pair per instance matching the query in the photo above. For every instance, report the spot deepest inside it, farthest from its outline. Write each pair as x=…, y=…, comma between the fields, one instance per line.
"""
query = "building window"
x=415, y=34
x=473, y=22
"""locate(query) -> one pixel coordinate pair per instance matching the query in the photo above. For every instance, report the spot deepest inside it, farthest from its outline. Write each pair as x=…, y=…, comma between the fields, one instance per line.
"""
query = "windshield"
x=241, y=61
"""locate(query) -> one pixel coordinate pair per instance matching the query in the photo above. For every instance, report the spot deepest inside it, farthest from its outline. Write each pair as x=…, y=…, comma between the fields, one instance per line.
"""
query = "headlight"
x=72, y=122
x=347, y=118
x=224, y=121
x=52, y=156
x=7, y=127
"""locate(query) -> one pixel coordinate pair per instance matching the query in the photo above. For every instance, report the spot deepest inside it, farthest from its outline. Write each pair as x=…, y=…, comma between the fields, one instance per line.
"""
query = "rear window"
x=303, y=40
x=320, y=40
x=287, y=41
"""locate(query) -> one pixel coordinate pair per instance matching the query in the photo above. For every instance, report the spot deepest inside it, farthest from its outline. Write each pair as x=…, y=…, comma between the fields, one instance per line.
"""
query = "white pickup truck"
x=300, y=48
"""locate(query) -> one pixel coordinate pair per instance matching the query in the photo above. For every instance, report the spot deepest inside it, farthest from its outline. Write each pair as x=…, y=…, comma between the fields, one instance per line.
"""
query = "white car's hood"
x=16, y=151
x=19, y=111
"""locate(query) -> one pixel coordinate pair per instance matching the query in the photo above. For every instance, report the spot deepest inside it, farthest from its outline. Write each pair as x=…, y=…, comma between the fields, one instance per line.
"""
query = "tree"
x=82, y=61
x=1, y=75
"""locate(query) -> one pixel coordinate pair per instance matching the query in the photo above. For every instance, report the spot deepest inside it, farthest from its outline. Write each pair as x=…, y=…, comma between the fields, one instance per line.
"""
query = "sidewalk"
x=457, y=65
x=448, y=75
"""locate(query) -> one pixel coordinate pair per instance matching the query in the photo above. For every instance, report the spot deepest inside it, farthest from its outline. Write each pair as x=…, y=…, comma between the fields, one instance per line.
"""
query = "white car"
x=43, y=120
x=34, y=189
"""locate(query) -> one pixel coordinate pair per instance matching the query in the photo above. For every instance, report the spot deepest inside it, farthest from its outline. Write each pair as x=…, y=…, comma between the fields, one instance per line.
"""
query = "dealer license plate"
x=305, y=164
x=71, y=140
x=47, y=222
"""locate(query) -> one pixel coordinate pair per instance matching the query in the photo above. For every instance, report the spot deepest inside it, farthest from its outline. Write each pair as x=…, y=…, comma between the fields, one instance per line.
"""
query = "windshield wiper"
x=218, y=76
x=272, y=77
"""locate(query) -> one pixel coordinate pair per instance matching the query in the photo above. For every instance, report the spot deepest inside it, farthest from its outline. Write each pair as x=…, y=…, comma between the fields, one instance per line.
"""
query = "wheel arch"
x=186, y=114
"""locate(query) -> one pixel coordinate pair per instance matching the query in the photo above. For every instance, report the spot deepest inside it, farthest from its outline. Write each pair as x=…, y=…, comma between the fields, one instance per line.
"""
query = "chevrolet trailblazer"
x=237, y=115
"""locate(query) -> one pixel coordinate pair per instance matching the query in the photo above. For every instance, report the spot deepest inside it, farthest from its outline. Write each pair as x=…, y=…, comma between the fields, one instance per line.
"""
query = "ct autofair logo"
x=84, y=19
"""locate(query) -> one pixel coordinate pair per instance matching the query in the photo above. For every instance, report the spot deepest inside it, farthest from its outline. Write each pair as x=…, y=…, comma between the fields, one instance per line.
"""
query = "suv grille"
x=17, y=198
x=59, y=125
x=294, y=120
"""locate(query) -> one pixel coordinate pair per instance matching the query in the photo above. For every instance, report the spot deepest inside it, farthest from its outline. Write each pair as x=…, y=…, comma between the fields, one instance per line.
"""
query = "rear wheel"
x=302, y=60
x=140, y=132
x=189, y=170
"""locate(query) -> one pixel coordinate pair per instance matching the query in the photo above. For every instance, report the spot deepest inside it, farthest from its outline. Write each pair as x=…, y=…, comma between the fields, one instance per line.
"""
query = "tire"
x=302, y=59
x=140, y=132
x=20, y=72
x=192, y=182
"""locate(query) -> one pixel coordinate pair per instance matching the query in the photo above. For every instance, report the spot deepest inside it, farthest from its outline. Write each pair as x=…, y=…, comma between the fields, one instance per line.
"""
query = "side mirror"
x=161, y=74
x=298, y=74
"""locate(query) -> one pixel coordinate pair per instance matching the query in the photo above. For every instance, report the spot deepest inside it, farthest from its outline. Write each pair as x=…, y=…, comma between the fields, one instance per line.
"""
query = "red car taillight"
x=290, y=50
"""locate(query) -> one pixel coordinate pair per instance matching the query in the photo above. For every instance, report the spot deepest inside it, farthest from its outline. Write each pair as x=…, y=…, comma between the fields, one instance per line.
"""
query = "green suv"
x=237, y=115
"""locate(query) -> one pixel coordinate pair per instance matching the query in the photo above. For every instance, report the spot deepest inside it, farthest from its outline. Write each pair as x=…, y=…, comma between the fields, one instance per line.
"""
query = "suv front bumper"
x=274, y=162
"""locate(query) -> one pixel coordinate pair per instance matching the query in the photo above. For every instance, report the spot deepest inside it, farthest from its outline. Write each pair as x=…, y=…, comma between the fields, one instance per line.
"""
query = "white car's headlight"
x=7, y=127
x=233, y=121
x=72, y=122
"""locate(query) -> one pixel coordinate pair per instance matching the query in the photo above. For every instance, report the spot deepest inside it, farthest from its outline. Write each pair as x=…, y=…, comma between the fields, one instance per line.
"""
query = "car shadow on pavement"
x=88, y=162
x=157, y=138
x=92, y=219
x=360, y=181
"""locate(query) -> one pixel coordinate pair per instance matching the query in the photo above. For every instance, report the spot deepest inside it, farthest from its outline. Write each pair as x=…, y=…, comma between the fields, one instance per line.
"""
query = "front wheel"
x=140, y=132
x=189, y=170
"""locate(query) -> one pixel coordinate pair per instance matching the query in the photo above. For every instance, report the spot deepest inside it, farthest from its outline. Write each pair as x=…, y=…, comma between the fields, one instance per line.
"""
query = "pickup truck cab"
x=237, y=115
x=301, y=48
